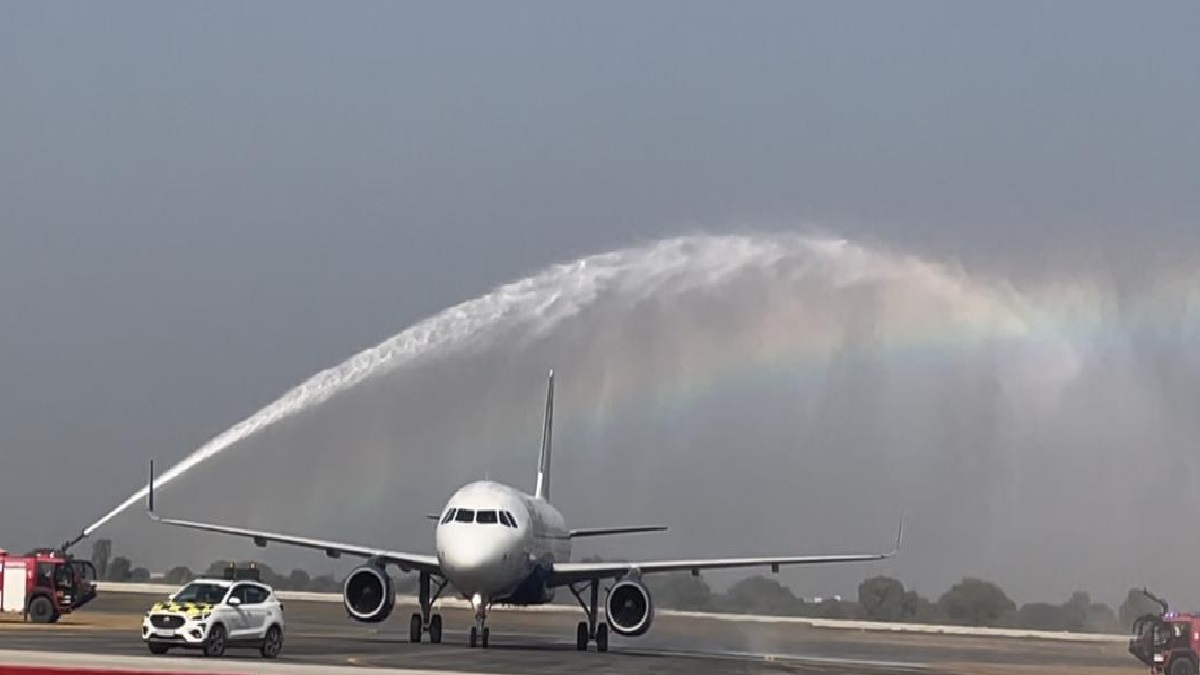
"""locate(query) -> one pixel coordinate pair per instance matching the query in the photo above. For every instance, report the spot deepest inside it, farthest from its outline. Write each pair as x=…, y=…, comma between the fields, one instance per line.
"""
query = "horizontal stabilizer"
x=602, y=531
x=433, y=516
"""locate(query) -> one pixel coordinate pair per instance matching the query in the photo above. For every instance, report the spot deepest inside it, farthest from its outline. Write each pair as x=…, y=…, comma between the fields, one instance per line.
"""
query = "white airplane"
x=497, y=545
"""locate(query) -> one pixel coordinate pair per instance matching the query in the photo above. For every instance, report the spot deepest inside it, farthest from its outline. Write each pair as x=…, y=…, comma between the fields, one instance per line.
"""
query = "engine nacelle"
x=369, y=594
x=629, y=609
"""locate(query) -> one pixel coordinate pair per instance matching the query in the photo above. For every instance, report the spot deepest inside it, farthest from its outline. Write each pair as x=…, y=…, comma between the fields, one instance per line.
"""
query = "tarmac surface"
x=543, y=642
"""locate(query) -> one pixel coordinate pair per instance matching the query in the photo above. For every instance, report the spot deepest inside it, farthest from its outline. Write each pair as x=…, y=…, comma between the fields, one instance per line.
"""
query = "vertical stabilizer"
x=543, y=476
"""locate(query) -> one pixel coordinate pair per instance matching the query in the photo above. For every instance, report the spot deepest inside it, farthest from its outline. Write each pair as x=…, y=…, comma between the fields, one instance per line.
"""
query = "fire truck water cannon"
x=45, y=584
x=1167, y=643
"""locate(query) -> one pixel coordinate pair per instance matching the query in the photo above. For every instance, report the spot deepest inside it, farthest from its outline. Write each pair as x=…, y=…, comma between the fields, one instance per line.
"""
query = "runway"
x=543, y=642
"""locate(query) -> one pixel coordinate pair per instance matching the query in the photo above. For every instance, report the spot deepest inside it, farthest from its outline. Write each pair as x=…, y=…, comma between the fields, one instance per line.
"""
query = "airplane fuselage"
x=498, y=545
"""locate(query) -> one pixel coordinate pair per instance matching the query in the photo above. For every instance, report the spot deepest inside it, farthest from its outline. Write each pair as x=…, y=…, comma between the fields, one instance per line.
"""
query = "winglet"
x=899, y=534
x=150, y=494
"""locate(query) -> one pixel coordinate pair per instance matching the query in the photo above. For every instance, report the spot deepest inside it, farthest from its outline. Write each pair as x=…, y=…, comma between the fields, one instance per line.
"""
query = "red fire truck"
x=44, y=584
x=1168, y=642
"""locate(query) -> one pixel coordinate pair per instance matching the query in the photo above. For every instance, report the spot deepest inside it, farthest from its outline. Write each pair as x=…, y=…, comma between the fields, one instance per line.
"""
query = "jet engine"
x=628, y=608
x=369, y=593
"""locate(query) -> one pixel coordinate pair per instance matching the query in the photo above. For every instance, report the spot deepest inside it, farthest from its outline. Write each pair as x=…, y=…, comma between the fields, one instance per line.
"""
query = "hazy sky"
x=203, y=203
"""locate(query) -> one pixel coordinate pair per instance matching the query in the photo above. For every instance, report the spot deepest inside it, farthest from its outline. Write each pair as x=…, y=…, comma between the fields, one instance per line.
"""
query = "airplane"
x=497, y=545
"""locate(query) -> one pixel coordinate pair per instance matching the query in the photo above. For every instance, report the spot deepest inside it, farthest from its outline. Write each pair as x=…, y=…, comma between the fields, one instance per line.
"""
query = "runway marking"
x=783, y=658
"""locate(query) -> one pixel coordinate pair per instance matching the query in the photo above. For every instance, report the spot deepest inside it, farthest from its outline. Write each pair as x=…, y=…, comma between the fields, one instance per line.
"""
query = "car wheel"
x=272, y=643
x=215, y=646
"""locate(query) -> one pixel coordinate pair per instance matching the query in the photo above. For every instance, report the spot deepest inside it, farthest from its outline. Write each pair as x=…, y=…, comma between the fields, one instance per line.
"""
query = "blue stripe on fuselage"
x=532, y=590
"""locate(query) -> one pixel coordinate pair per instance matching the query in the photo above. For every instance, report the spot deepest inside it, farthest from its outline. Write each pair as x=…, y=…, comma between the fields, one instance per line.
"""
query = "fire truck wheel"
x=1183, y=666
x=41, y=610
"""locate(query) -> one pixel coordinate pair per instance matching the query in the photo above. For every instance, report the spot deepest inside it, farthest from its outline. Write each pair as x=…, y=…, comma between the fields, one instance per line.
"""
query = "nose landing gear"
x=480, y=631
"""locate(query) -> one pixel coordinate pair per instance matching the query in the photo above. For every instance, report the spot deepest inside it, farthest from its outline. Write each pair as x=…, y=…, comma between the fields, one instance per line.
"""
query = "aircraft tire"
x=414, y=628
x=581, y=636
x=435, y=629
x=602, y=637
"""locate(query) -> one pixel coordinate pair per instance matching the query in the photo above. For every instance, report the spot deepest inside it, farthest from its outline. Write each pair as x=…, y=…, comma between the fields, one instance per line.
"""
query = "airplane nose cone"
x=477, y=556
x=477, y=563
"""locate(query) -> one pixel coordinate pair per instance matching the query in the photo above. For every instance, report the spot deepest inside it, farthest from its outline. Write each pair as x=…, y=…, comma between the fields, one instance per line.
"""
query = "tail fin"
x=150, y=491
x=543, y=475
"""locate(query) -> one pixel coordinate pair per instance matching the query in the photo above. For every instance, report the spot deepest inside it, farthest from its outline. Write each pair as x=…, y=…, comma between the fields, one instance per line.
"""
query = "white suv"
x=212, y=614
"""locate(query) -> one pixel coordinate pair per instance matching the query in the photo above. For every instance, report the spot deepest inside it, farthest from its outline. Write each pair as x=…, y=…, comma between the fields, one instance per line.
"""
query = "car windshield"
x=201, y=592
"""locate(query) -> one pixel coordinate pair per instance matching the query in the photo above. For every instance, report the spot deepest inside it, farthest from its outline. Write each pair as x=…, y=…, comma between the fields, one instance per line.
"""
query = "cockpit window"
x=512, y=522
x=448, y=517
x=486, y=517
x=465, y=516
x=504, y=519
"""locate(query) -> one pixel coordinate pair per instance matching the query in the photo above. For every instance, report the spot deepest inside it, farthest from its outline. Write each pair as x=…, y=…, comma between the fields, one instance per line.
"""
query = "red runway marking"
x=66, y=670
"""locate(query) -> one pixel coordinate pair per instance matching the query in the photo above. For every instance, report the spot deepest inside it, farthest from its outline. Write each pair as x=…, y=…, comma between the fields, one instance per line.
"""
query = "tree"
x=120, y=569
x=681, y=591
x=101, y=551
x=178, y=575
x=920, y=609
x=882, y=599
x=217, y=569
x=760, y=595
x=1102, y=619
x=299, y=580
x=1075, y=611
x=829, y=609
x=1037, y=616
x=1136, y=604
x=975, y=602
x=325, y=583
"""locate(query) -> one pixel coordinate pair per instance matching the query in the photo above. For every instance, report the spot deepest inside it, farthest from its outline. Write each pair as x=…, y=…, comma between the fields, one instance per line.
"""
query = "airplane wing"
x=575, y=572
x=405, y=561
x=603, y=531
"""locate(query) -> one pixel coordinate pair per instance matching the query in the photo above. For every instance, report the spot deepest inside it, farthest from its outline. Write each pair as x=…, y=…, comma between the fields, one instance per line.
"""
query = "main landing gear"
x=480, y=631
x=588, y=630
x=419, y=623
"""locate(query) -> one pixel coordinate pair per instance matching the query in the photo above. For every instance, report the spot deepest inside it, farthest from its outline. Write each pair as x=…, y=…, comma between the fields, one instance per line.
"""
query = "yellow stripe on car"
x=186, y=608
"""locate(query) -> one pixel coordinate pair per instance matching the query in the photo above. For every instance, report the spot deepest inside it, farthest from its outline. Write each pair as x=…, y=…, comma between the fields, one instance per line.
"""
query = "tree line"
x=970, y=602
